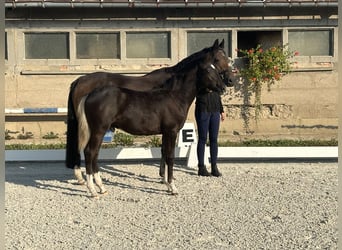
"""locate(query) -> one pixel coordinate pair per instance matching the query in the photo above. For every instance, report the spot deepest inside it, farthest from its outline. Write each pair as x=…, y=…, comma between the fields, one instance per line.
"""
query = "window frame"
x=47, y=32
x=315, y=63
x=146, y=32
x=178, y=48
x=303, y=63
x=319, y=58
x=229, y=31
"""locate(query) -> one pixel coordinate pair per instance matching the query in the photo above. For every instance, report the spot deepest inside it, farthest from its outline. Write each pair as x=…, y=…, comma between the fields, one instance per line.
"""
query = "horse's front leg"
x=99, y=183
x=169, y=150
x=162, y=163
x=91, y=186
x=170, y=180
x=78, y=175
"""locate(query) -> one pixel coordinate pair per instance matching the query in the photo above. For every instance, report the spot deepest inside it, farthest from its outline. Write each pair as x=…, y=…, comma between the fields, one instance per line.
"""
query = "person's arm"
x=223, y=115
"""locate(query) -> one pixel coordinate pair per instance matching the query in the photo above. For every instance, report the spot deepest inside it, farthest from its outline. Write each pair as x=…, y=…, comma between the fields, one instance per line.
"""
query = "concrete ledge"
x=225, y=153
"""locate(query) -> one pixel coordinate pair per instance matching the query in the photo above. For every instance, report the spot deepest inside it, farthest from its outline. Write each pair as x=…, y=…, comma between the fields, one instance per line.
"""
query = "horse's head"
x=209, y=78
x=222, y=63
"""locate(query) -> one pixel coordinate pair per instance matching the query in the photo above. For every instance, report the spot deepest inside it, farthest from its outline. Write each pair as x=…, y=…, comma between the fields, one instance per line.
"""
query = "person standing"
x=208, y=114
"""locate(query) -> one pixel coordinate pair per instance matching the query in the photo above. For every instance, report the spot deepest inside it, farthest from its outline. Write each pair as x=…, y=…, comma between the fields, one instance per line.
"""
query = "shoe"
x=214, y=171
x=202, y=170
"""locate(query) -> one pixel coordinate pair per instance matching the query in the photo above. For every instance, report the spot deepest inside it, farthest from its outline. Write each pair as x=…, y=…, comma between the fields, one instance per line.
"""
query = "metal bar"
x=184, y=4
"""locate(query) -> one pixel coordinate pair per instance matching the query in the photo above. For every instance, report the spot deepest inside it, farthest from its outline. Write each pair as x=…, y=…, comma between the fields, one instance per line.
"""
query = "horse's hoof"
x=95, y=197
x=81, y=183
x=174, y=193
x=103, y=192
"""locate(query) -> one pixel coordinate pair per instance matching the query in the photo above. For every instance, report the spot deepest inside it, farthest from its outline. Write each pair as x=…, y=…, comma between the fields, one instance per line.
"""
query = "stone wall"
x=302, y=106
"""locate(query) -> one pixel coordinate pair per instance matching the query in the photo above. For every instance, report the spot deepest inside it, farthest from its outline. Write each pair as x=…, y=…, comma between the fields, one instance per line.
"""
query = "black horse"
x=161, y=111
x=83, y=85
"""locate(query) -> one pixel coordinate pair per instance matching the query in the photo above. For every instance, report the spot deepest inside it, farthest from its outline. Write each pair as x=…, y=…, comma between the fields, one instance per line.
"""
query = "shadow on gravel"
x=43, y=175
x=54, y=176
x=128, y=177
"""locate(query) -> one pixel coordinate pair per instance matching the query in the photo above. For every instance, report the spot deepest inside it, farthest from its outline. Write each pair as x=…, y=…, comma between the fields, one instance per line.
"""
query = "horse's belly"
x=138, y=127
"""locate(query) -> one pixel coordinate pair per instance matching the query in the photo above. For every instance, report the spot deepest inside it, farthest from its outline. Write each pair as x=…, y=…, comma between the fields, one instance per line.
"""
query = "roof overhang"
x=167, y=3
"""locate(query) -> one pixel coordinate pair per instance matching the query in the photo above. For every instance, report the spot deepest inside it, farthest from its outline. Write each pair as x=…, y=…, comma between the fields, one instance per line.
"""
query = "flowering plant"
x=264, y=67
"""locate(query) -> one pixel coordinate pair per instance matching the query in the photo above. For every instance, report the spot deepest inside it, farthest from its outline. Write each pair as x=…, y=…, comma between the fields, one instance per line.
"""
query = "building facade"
x=51, y=43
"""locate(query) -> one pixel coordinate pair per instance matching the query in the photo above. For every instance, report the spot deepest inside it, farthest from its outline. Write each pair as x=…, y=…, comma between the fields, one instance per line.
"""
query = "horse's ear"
x=216, y=44
x=222, y=44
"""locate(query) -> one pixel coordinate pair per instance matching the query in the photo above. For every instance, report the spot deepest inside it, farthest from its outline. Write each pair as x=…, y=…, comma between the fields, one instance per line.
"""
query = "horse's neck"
x=157, y=78
x=185, y=88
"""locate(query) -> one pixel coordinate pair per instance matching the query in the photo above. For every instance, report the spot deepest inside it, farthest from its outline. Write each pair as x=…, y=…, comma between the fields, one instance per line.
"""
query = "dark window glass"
x=251, y=39
x=46, y=45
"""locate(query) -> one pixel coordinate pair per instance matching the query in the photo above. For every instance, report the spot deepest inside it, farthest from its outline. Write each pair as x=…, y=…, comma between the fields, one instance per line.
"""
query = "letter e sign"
x=187, y=135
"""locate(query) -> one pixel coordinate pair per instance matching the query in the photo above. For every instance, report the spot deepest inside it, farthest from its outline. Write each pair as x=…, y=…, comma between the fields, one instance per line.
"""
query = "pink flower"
x=296, y=53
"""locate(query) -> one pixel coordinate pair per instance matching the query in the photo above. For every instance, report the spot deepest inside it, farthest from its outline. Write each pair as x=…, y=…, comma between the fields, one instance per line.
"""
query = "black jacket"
x=209, y=101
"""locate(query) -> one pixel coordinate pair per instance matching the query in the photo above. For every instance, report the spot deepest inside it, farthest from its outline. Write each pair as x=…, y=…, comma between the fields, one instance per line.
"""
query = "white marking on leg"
x=165, y=180
x=173, y=189
x=165, y=175
x=79, y=176
x=99, y=183
x=91, y=187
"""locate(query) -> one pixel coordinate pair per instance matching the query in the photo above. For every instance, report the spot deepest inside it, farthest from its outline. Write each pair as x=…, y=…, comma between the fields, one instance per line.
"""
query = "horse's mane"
x=189, y=61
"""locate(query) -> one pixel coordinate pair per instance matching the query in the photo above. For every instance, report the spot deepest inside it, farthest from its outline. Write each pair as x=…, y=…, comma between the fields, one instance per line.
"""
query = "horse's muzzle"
x=227, y=80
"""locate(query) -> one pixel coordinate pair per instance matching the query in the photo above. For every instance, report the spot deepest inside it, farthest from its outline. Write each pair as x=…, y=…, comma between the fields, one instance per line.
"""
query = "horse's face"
x=222, y=63
x=208, y=77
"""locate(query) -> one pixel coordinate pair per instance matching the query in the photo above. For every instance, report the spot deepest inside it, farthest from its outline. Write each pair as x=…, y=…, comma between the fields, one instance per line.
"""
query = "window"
x=311, y=43
x=251, y=39
x=199, y=40
x=46, y=45
x=148, y=45
x=97, y=45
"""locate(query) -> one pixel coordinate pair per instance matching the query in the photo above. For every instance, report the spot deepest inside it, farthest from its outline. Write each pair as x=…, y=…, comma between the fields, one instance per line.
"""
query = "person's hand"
x=223, y=116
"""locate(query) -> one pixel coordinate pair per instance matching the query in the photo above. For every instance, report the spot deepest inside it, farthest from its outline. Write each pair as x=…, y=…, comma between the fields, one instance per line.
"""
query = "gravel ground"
x=259, y=205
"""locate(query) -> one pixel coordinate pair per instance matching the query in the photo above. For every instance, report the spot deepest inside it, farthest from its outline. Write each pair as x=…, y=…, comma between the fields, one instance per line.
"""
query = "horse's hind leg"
x=89, y=155
x=93, y=149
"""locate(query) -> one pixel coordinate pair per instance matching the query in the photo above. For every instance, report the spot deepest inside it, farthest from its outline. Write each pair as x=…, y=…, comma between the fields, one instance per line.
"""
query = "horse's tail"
x=83, y=128
x=73, y=156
